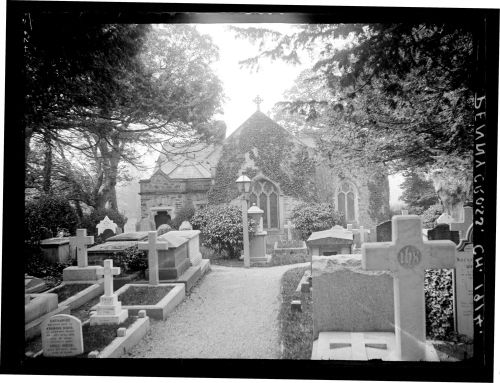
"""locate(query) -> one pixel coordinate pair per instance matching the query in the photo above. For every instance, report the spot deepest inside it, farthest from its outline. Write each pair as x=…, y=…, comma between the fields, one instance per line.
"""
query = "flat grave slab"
x=132, y=236
x=161, y=309
x=362, y=346
x=81, y=297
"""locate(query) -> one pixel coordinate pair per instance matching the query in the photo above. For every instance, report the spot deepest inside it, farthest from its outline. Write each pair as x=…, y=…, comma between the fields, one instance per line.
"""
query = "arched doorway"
x=162, y=217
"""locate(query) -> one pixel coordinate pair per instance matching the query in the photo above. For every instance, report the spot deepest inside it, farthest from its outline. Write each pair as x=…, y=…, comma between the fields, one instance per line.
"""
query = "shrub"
x=439, y=304
x=134, y=259
x=430, y=215
x=310, y=217
x=185, y=213
x=163, y=229
x=91, y=220
x=38, y=267
x=222, y=228
x=47, y=216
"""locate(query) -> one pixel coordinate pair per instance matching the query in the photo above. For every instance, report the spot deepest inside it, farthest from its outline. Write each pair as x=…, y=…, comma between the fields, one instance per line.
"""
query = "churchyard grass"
x=296, y=328
x=147, y=295
x=66, y=291
x=99, y=336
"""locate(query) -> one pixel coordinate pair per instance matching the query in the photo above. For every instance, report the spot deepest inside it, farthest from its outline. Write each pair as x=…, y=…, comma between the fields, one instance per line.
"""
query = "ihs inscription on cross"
x=408, y=256
x=258, y=100
x=108, y=271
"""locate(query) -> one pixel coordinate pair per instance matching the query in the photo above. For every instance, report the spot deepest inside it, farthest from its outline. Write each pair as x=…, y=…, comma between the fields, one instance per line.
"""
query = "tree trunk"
x=47, y=167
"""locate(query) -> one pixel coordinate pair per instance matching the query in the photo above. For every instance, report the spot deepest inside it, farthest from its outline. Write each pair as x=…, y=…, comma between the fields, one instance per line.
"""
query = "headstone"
x=152, y=247
x=288, y=228
x=336, y=240
x=130, y=225
x=81, y=241
x=463, y=227
x=346, y=298
x=444, y=219
x=185, y=225
x=62, y=336
x=408, y=256
x=384, y=232
x=109, y=309
x=404, y=212
x=442, y=231
x=106, y=224
x=145, y=224
x=462, y=277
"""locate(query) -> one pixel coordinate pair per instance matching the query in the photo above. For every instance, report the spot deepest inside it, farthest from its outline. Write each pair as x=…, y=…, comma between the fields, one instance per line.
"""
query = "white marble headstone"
x=62, y=336
x=106, y=224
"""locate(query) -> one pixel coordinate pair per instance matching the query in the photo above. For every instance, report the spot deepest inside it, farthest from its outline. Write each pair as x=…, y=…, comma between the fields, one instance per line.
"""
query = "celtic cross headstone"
x=407, y=257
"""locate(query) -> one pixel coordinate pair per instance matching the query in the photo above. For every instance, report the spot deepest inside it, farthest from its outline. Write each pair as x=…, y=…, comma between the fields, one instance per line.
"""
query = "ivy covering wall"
x=274, y=154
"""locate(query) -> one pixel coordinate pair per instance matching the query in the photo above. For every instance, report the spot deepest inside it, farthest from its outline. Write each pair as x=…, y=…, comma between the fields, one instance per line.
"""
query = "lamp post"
x=243, y=183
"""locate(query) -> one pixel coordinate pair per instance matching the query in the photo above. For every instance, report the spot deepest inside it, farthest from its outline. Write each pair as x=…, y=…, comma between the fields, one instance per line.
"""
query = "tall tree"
x=167, y=92
x=402, y=93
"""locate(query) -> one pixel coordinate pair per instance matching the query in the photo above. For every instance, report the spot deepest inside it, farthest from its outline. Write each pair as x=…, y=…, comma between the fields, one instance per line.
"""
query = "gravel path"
x=232, y=313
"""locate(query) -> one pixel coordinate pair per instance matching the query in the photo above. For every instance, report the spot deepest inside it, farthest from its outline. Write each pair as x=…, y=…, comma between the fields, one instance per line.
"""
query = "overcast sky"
x=242, y=85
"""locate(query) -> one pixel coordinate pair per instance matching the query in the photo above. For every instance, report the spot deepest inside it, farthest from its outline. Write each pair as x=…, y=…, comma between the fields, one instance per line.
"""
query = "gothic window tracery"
x=346, y=201
x=265, y=195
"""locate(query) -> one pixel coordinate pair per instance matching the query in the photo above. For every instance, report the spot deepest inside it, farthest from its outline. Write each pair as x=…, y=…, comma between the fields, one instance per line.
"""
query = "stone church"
x=283, y=170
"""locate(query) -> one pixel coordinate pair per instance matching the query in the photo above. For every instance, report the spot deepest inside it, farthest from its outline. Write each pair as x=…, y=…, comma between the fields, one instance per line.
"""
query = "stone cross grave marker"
x=108, y=271
x=152, y=247
x=384, y=232
x=62, y=336
x=109, y=309
x=408, y=256
x=106, y=224
x=80, y=242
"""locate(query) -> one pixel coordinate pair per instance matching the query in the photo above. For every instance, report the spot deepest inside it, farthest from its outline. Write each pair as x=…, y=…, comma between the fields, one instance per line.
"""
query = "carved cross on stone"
x=152, y=247
x=258, y=100
x=108, y=271
x=81, y=241
x=408, y=256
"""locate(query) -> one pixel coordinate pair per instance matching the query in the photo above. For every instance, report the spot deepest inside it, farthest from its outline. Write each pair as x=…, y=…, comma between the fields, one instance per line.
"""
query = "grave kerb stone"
x=408, y=256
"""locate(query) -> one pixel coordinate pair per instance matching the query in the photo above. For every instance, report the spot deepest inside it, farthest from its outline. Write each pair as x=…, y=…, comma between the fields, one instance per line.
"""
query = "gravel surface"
x=232, y=313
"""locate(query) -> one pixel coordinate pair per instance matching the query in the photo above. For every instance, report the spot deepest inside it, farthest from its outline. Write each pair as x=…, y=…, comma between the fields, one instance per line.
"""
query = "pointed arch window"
x=346, y=201
x=265, y=195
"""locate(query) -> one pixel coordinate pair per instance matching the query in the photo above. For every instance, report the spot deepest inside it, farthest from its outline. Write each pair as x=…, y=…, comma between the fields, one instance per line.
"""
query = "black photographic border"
x=486, y=24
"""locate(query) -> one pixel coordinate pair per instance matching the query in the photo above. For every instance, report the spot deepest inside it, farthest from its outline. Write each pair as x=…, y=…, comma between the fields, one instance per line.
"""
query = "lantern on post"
x=243, y=183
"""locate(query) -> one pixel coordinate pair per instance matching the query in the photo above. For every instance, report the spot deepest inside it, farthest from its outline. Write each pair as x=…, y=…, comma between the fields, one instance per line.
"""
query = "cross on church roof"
x=258, y=100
